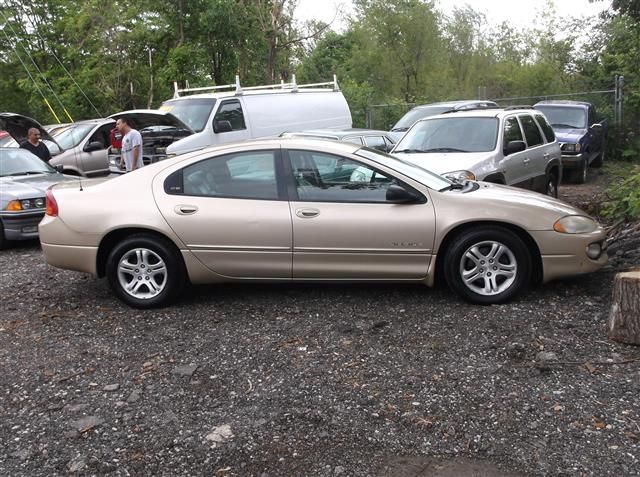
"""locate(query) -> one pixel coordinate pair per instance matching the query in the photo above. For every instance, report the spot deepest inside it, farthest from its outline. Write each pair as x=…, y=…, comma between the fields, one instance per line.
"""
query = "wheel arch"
x=495, y=178
x=555, y=167
x=530, y=243
x=110, y=240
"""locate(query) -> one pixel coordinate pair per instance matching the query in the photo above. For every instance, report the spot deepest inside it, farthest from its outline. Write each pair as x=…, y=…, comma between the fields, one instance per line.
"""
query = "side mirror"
x=514, y=146
x=597, y=127
x=400, y=195
x=59, y=168
x=94, y=146
x=221, y=126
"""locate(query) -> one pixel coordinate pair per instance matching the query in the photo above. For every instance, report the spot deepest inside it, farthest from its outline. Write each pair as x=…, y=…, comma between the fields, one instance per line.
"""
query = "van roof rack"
x=239, y=90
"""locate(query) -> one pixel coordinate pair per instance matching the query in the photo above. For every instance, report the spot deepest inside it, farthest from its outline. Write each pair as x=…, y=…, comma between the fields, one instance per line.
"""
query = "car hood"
x=143, y=118
x=441, y=162
x=18, y=126
x=569, y=135
x=30, y=186
x=491, y=202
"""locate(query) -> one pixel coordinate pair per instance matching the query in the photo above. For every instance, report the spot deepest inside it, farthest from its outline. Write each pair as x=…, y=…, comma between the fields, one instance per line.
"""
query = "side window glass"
x=101, y=135
x=512, y=131
x=323, y=177
x=231, y=111
x=246, y=175
x=531, y=131
x=546, y=127
x=376, y=142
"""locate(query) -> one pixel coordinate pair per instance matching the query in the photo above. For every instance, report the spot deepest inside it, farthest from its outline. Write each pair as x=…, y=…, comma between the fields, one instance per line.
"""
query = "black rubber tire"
x=599, y=160
x=551, y=185
x=579, y=175
x=3, y=241
x=467, y=239
x=175, y=276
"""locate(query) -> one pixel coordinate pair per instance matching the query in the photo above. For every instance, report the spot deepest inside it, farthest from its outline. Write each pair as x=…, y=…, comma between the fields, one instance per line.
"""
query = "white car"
x=511, y=146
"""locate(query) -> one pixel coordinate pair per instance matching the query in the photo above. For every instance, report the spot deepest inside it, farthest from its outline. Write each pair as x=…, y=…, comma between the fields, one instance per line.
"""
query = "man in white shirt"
x=131, y=158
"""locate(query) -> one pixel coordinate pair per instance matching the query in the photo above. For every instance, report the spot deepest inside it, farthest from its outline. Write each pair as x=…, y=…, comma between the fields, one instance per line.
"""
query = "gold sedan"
x=311, y=210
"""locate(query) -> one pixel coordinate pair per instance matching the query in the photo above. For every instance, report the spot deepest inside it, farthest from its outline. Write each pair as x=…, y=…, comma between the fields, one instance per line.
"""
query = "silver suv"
x=426, y=110
x=512, y=146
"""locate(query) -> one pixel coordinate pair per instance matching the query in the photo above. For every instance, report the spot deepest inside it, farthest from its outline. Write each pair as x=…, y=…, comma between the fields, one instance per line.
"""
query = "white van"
x=232, y=113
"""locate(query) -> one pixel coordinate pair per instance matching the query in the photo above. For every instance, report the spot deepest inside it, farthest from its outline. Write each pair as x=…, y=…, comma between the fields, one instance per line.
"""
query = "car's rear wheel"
x=3, y=241
x=487, y=265
x=551, y=188
x=145, y=271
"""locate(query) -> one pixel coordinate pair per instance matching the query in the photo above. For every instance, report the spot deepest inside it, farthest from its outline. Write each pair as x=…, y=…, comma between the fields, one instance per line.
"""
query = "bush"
x=624, y=197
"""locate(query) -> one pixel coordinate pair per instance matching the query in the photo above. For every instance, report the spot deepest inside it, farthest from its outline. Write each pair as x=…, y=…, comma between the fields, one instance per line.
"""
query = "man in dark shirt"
x=35, y=146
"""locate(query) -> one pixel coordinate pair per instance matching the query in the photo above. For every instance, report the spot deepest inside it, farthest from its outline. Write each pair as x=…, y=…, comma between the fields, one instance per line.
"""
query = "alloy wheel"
x=142, y=273
x=488, y=268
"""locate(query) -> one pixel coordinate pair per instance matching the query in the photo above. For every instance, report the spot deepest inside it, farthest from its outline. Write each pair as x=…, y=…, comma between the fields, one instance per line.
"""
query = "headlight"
x=25, y=204
x=575, y=224
x=573, y=148
x=460, y=176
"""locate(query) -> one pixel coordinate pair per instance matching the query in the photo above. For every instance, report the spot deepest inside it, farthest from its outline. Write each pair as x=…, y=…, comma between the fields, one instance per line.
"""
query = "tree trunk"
x=624, y=318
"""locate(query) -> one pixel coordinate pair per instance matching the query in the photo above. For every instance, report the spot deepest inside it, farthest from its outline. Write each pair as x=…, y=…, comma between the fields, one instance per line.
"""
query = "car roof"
x=481, y=112
x=561, y=102
x=339, y=133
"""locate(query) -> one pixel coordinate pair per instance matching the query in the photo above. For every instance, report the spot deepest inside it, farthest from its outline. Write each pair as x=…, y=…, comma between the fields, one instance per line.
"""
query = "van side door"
x=229, y=123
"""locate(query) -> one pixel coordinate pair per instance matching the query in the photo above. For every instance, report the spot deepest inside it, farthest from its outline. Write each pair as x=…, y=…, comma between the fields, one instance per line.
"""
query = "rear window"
x=546, y=127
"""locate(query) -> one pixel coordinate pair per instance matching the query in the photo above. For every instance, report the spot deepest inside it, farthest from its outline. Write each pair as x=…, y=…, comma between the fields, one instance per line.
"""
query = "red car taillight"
x=52, y=205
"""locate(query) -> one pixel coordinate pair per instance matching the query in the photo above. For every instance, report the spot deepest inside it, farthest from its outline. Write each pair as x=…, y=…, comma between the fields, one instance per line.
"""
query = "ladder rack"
x=238, y=89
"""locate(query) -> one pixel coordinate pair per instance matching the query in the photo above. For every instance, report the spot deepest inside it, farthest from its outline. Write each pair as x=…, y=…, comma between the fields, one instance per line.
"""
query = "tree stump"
x=624, y=318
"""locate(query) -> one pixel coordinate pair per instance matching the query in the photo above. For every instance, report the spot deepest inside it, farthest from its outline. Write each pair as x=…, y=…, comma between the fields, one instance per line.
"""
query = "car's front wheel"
x=487, y=265
x=145, y=271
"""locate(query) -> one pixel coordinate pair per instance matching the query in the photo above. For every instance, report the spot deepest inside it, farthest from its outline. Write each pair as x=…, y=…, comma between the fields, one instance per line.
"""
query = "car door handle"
x=526, y=160
x=307, y=213
x=185, y=209
x=546, y=154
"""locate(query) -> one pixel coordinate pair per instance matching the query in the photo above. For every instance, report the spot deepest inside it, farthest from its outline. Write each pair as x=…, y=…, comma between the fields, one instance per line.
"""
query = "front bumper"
x=21, y=225
x=572, y=161
x=564, y=255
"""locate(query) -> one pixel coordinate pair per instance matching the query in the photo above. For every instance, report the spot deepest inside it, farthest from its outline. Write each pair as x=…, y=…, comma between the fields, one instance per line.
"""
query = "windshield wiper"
x=409, y=151
x=566, y=126
x=444, y=149
x=25, y=173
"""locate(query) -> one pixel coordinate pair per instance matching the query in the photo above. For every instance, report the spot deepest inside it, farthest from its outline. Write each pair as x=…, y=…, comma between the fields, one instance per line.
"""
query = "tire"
x=3, y=241
x=551, y=186
x=579, y=176
x=145, y=271
x=503, y=279
x=599, y=160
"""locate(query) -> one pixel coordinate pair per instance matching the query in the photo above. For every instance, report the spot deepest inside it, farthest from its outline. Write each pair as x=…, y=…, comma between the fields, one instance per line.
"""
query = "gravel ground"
x=313, y=380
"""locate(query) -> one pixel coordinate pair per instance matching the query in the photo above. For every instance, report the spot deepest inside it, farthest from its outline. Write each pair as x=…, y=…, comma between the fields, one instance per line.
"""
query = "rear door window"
x=531, y=131
x=546, y=127
x=376, y=142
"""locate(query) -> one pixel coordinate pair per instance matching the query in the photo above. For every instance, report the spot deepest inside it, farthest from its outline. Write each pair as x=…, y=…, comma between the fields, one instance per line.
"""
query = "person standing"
x=34, y=145
x=131, y=158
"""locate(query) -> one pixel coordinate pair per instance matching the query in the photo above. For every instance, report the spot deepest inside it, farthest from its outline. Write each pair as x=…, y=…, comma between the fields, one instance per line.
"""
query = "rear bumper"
x=71, y=257
x=21, y=225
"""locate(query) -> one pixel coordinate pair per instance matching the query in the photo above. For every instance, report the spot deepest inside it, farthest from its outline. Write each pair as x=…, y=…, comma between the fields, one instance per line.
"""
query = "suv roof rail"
x=519, y=106
x=473, y=108
x=238, y=89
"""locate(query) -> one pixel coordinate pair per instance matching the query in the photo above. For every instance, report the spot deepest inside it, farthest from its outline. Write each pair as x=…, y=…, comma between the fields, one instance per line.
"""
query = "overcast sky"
x=518, y=12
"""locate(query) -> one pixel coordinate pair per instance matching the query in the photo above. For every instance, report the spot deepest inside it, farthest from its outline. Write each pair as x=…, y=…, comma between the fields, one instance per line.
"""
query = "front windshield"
x=412, y=116
x=72, y=136
x=565, y=117
x=408, y=169
x=194, y=112
x=451, y=134
x=17, y=162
